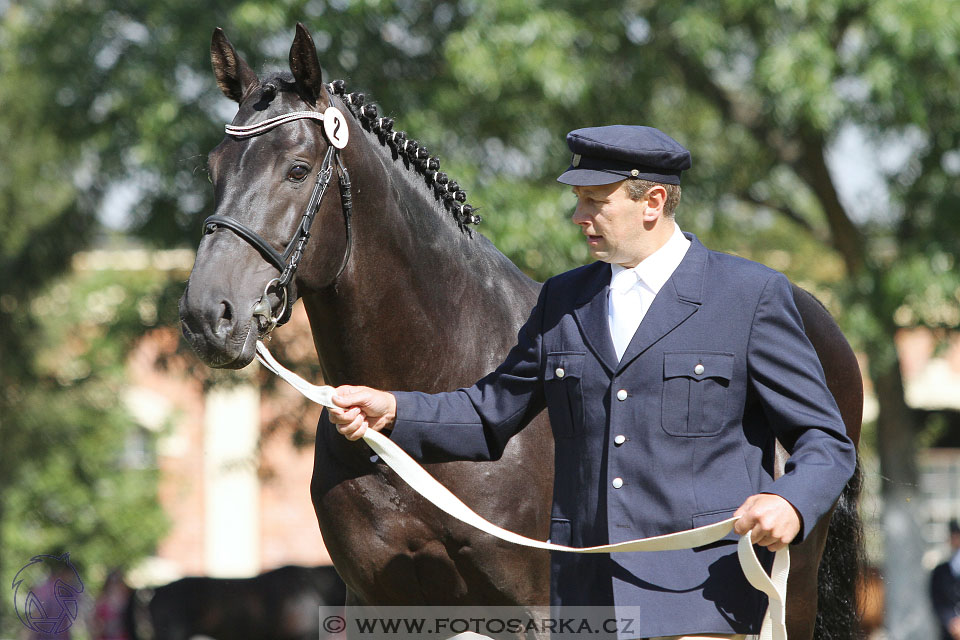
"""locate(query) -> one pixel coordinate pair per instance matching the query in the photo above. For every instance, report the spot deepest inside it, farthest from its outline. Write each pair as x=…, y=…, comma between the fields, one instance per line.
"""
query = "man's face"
x=612, y=223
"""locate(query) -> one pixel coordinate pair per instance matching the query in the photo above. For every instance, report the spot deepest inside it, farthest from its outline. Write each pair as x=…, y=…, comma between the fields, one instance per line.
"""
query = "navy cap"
x=603, y=155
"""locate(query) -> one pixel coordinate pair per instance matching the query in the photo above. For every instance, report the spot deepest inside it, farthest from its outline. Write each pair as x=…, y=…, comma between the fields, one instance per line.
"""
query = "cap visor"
x=588, y=177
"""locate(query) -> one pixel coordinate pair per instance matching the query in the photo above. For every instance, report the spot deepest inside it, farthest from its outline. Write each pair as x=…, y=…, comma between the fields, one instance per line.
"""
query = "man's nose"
x=579, y=217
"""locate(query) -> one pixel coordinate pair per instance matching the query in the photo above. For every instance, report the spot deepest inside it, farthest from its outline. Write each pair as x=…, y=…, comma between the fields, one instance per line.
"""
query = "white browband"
x=775, y=585
x=250, y=130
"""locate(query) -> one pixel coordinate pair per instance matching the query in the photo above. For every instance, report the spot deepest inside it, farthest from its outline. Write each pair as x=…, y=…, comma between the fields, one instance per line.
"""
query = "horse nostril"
x=225, y=322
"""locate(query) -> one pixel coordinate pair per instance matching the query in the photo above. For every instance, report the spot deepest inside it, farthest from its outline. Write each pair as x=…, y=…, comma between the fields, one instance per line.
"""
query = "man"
x=668, y=371
x=945, y=588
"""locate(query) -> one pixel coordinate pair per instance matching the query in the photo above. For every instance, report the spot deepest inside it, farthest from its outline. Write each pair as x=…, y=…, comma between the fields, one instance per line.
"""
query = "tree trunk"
x=908, y=613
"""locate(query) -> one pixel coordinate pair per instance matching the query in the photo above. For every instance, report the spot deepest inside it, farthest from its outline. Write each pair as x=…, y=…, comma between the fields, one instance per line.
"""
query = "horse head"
x=267, y=175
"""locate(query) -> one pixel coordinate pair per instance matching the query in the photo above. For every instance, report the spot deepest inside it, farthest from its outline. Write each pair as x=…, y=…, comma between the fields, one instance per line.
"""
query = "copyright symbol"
x=334, y=624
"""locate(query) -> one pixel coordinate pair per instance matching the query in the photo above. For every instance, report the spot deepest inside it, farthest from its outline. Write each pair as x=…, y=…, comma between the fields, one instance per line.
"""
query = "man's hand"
x=771, y=520
x=362, y=408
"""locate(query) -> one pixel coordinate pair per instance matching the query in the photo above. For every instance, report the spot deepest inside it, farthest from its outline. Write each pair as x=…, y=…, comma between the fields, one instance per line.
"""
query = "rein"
x=336, y=132
x=774, y=586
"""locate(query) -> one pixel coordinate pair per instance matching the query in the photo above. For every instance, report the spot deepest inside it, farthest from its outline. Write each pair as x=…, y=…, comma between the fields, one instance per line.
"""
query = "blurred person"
x=945, y=588
x=108, y=621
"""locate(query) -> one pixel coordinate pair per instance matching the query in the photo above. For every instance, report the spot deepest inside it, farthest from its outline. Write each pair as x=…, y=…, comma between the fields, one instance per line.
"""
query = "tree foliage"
x=784, y=104
x=73, y=477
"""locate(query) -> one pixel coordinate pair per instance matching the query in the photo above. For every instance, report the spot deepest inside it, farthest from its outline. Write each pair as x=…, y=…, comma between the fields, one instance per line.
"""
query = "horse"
x=402, y=293
x=281, y=604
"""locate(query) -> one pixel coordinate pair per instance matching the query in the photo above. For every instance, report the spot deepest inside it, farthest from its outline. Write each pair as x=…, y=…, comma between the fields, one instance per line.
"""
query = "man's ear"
x=656, y=200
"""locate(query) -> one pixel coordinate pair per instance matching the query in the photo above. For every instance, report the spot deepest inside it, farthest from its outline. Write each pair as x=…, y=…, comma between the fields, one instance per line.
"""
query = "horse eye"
x=298, y=173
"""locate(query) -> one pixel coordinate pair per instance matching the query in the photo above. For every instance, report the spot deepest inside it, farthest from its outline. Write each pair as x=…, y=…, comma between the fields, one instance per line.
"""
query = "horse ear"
x=234, y=75
x=305, y=65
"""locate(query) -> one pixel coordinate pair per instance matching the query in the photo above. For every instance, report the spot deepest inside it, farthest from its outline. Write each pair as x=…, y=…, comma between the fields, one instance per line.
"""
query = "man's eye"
x=298, y=173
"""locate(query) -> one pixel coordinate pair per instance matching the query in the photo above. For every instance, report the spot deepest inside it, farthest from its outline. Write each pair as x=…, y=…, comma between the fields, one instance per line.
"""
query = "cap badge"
x=576, y=160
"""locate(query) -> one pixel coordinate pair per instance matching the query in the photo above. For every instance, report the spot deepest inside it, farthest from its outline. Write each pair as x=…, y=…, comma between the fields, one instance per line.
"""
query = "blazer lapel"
x=679, y=298
x=590, y=313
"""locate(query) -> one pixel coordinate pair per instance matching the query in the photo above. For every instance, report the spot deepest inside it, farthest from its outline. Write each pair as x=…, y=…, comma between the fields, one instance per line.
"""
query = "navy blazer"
x=675, y=435
x=945, y=596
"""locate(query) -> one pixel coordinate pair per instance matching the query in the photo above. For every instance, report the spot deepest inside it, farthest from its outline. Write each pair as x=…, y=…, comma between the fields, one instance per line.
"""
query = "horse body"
x=422, y=303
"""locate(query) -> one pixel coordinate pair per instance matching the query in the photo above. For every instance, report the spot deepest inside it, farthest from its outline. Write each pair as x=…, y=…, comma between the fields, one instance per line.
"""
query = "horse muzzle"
x=222, y=333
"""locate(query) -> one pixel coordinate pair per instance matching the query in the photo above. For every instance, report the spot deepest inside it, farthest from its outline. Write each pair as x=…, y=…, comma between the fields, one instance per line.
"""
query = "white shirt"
x=632, y=290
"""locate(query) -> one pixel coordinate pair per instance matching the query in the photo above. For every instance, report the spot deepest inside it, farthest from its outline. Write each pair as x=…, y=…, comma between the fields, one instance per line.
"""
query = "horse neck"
x=422, y=304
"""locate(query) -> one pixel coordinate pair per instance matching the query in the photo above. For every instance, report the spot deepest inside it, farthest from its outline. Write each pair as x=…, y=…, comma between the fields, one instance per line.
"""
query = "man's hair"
x=637, y=189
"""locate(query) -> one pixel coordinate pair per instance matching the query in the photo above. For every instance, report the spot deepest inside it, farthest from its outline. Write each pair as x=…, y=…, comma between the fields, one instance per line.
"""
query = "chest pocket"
x=695, y=392
x=564, y=392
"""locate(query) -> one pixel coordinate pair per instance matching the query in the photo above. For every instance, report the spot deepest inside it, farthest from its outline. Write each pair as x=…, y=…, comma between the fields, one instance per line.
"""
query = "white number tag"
x=335, y=126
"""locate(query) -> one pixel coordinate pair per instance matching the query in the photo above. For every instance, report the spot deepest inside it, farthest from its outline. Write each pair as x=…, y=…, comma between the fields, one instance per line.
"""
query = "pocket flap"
x=562, y=365
x=697, y=365
x=712, y=517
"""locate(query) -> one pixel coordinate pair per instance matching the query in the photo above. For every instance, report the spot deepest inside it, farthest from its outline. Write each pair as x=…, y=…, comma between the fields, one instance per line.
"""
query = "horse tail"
x=838, y=616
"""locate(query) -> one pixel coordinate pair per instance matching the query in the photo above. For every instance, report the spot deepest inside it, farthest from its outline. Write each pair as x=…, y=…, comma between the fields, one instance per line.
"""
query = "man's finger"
x=744, y=524
x=354, y=429
x=761, y=538
x=358, y=429
x=342, y=416
x=347, y=396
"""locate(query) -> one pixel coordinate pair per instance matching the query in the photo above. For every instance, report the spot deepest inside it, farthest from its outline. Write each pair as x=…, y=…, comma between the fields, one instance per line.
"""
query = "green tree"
x=65, y=482
x=70, y=480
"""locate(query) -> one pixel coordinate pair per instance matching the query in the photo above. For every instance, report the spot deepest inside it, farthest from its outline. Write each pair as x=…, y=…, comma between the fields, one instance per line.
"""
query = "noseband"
x=335, y=131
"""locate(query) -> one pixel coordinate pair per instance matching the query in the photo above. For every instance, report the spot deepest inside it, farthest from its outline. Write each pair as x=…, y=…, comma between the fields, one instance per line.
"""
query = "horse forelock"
x=260, y=96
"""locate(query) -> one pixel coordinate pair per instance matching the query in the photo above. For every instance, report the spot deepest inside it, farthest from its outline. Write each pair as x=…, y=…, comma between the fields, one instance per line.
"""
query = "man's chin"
x=599, y=254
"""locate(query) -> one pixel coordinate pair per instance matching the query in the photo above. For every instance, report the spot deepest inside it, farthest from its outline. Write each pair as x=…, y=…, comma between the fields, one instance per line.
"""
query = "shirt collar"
x=656, y=269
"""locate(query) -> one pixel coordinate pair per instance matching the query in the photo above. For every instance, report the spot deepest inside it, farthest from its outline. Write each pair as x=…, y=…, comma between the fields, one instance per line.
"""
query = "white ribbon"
x=775, y=586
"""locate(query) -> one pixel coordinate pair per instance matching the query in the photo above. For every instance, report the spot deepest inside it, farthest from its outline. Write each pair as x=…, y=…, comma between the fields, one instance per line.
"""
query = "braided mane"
x=453, y=198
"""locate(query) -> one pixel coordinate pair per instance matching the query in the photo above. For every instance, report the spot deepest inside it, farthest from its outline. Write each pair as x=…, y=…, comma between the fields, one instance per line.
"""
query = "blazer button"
x=698, y=369
x=622, y=395
x=560, y=372
x=619, y=440
x=617, y=483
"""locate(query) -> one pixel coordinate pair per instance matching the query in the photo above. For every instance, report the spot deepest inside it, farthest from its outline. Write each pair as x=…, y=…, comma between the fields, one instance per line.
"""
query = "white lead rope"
x=775, y=586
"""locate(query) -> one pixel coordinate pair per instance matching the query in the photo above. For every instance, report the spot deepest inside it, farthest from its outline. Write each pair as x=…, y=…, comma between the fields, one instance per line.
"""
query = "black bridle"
x=288, y=261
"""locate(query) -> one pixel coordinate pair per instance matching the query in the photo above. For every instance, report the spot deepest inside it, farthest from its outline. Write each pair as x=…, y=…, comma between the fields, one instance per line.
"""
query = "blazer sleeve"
x=787, y=375
x=476, y=423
